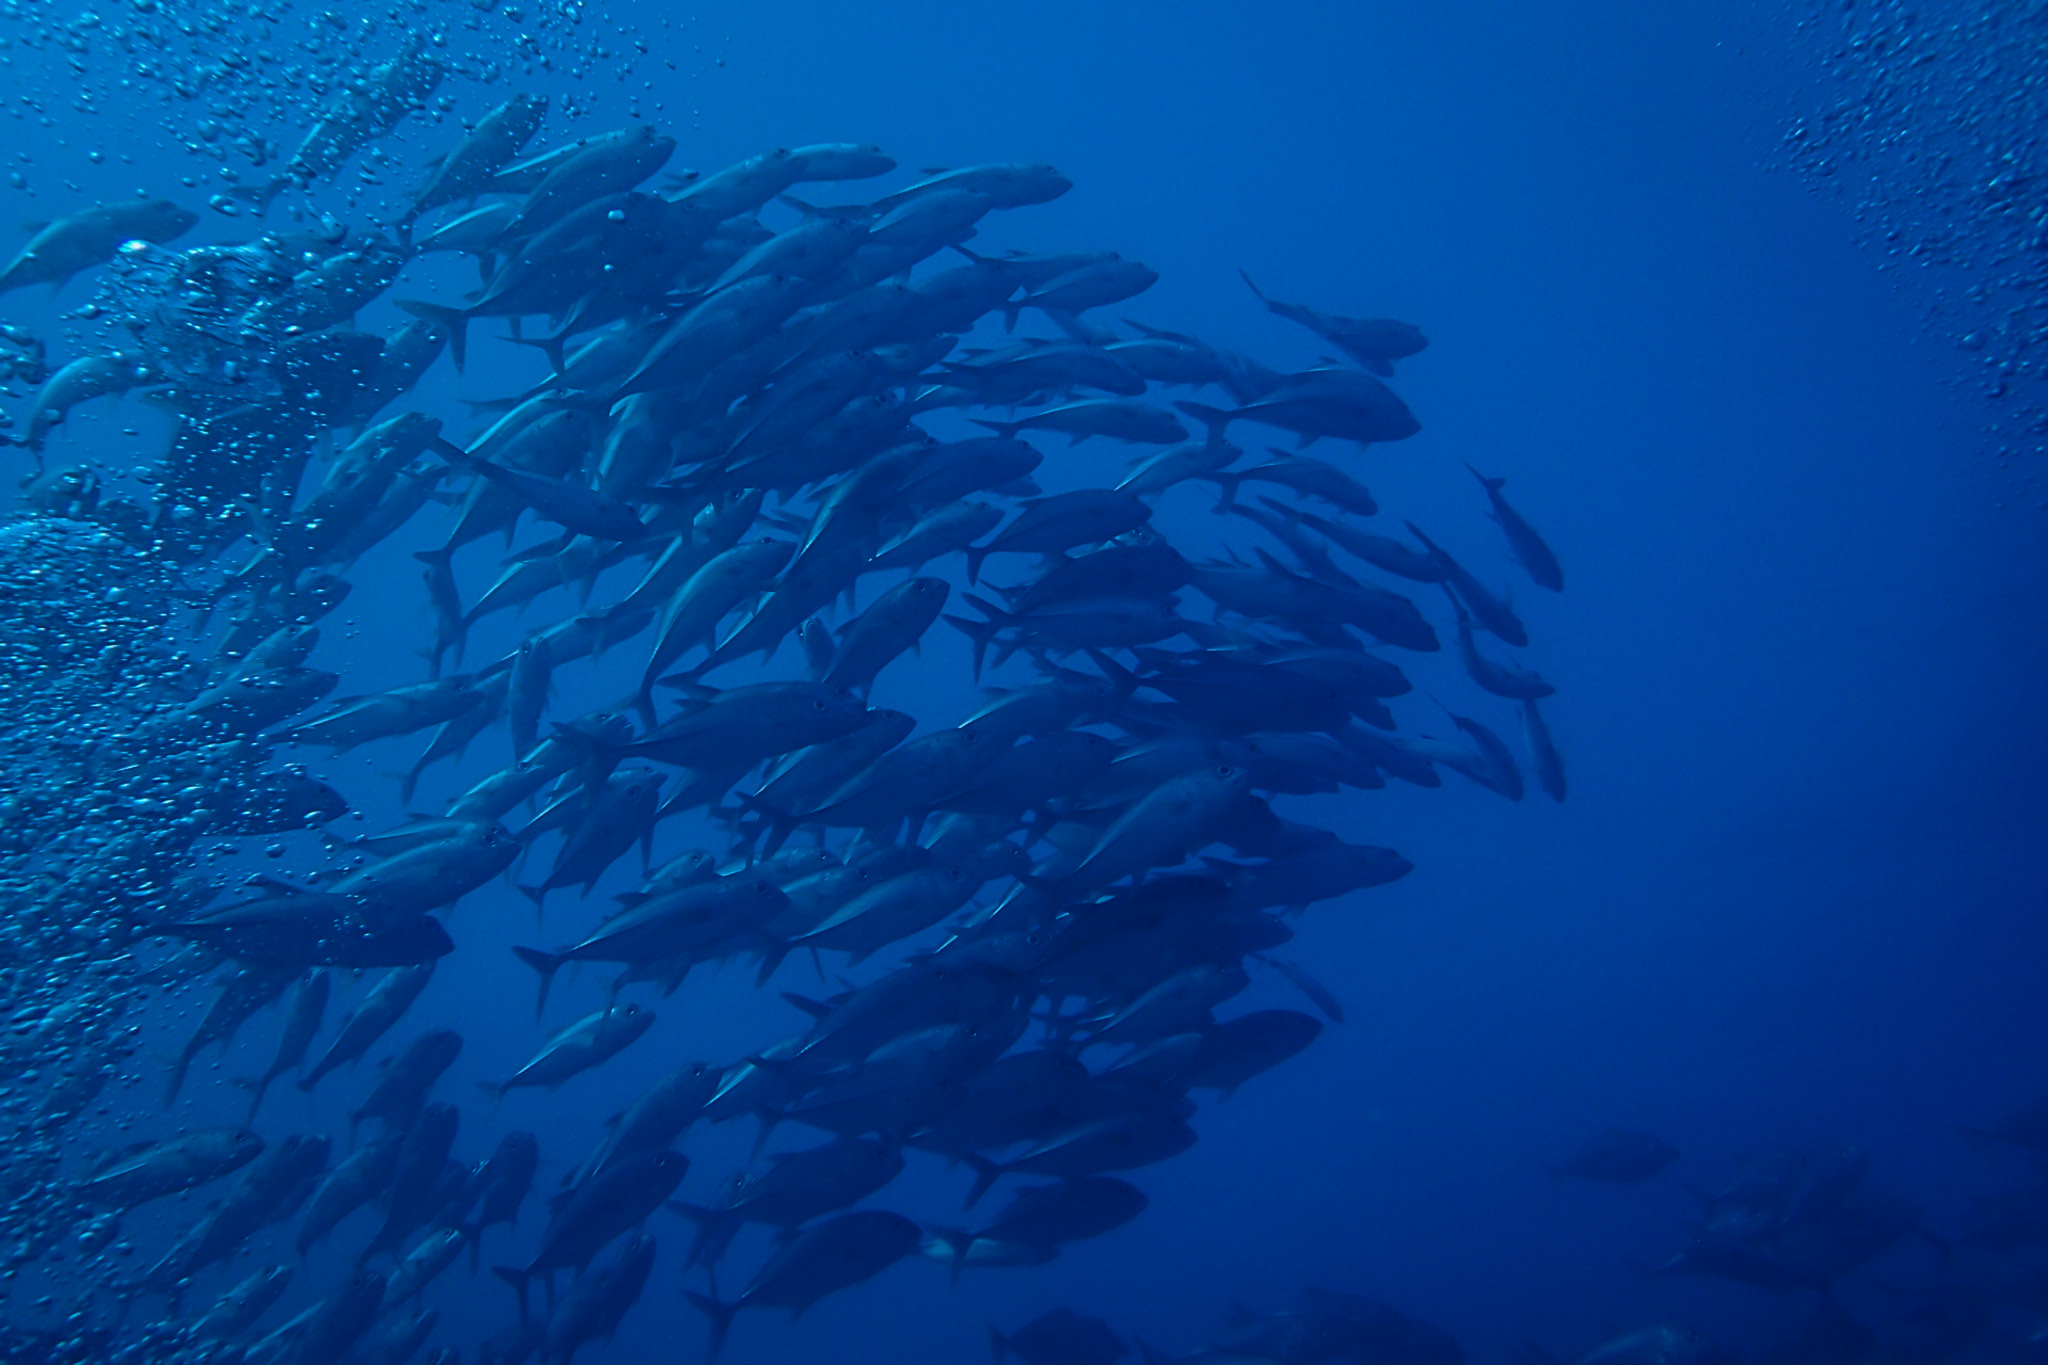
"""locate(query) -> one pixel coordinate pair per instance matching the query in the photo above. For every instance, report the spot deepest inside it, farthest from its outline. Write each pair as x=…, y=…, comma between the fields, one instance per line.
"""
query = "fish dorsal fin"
x=1266, y=558
x=817, y=1009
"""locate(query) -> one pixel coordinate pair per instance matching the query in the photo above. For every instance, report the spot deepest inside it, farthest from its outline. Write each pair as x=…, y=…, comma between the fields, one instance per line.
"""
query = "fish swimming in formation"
x=757, y=429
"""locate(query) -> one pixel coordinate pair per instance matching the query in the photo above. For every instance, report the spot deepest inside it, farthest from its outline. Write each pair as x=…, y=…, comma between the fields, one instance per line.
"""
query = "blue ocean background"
x=1795, y=895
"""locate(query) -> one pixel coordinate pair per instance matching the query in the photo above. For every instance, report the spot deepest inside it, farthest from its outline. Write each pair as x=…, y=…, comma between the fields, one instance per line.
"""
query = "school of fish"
x=791, y=426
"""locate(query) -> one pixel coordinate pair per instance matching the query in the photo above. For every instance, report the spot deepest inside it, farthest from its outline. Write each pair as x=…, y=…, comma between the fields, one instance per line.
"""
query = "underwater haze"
x=1205, y=684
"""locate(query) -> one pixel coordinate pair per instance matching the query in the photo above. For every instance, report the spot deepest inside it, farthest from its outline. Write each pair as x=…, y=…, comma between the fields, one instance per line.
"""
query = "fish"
x=238, y=1310
x=658, y=1119
x=422, y=1154
x=833, y=1255
x=798, y=1187
x=1118, y=419
x=1052, y=1215
x=402, y=887
x=1549, y=763
x=597, y=1213
x=585, y=511
x=1489, y=611
x=270, y=1190
x=674, y=924
x=365, y=110
x=361, y=1176
x=401, y=1092
x=434, y=1254
x=160, y=1169
x=1492, y=675
x=1617, y=1155
x=893, y=622
x=401, y=711
x=747, y=417
x=341, y=1319
x=613, y=818
x=590, y=1041
x=384, y=1005
x=1092, y=285
x=596, y=1303
x=1059, y=1336
x=466, y=169
x=1536, y=557
x=60, y=249
x=80, y=381
x=253, y=986
x=1117, y=1142
x=1375, y=343
x=500, y=1187
x=309, y=1007
x=314, y=929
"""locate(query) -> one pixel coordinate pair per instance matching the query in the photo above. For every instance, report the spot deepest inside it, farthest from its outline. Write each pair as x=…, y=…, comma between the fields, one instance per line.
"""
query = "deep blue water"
x=1795, y=895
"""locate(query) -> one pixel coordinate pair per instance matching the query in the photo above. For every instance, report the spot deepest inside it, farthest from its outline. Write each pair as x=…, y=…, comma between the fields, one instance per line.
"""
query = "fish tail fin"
x=258, y=1087
x=1315, y=990
x=780, y=826
x=177, y=1081
x=1215, y=419
x=642, y=700
x=1010, y=313
x=985, y=1175
x=980, y=632
x=715, y=1231
x=1007, y=430
x=957, y=1241
x=453, y=454
x=770, y=1120
x=1227, y=486
x=1122, y=679
x=260, y=195
x=720, y=1314
x=410, y=783
x=1257, y=292
x=551, y=347
x=998, y=1345
x=808, y=210
x=517, y=1278
x=1490, y=485
x=547, y=964
x=576, y=737
x=456, y=320
x=1427, y=543
x=771, y=960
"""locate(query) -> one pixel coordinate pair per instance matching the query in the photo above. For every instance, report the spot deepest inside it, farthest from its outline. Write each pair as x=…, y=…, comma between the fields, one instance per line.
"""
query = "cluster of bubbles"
x=87, y=824
x=1931, y=121
x=231, y=83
